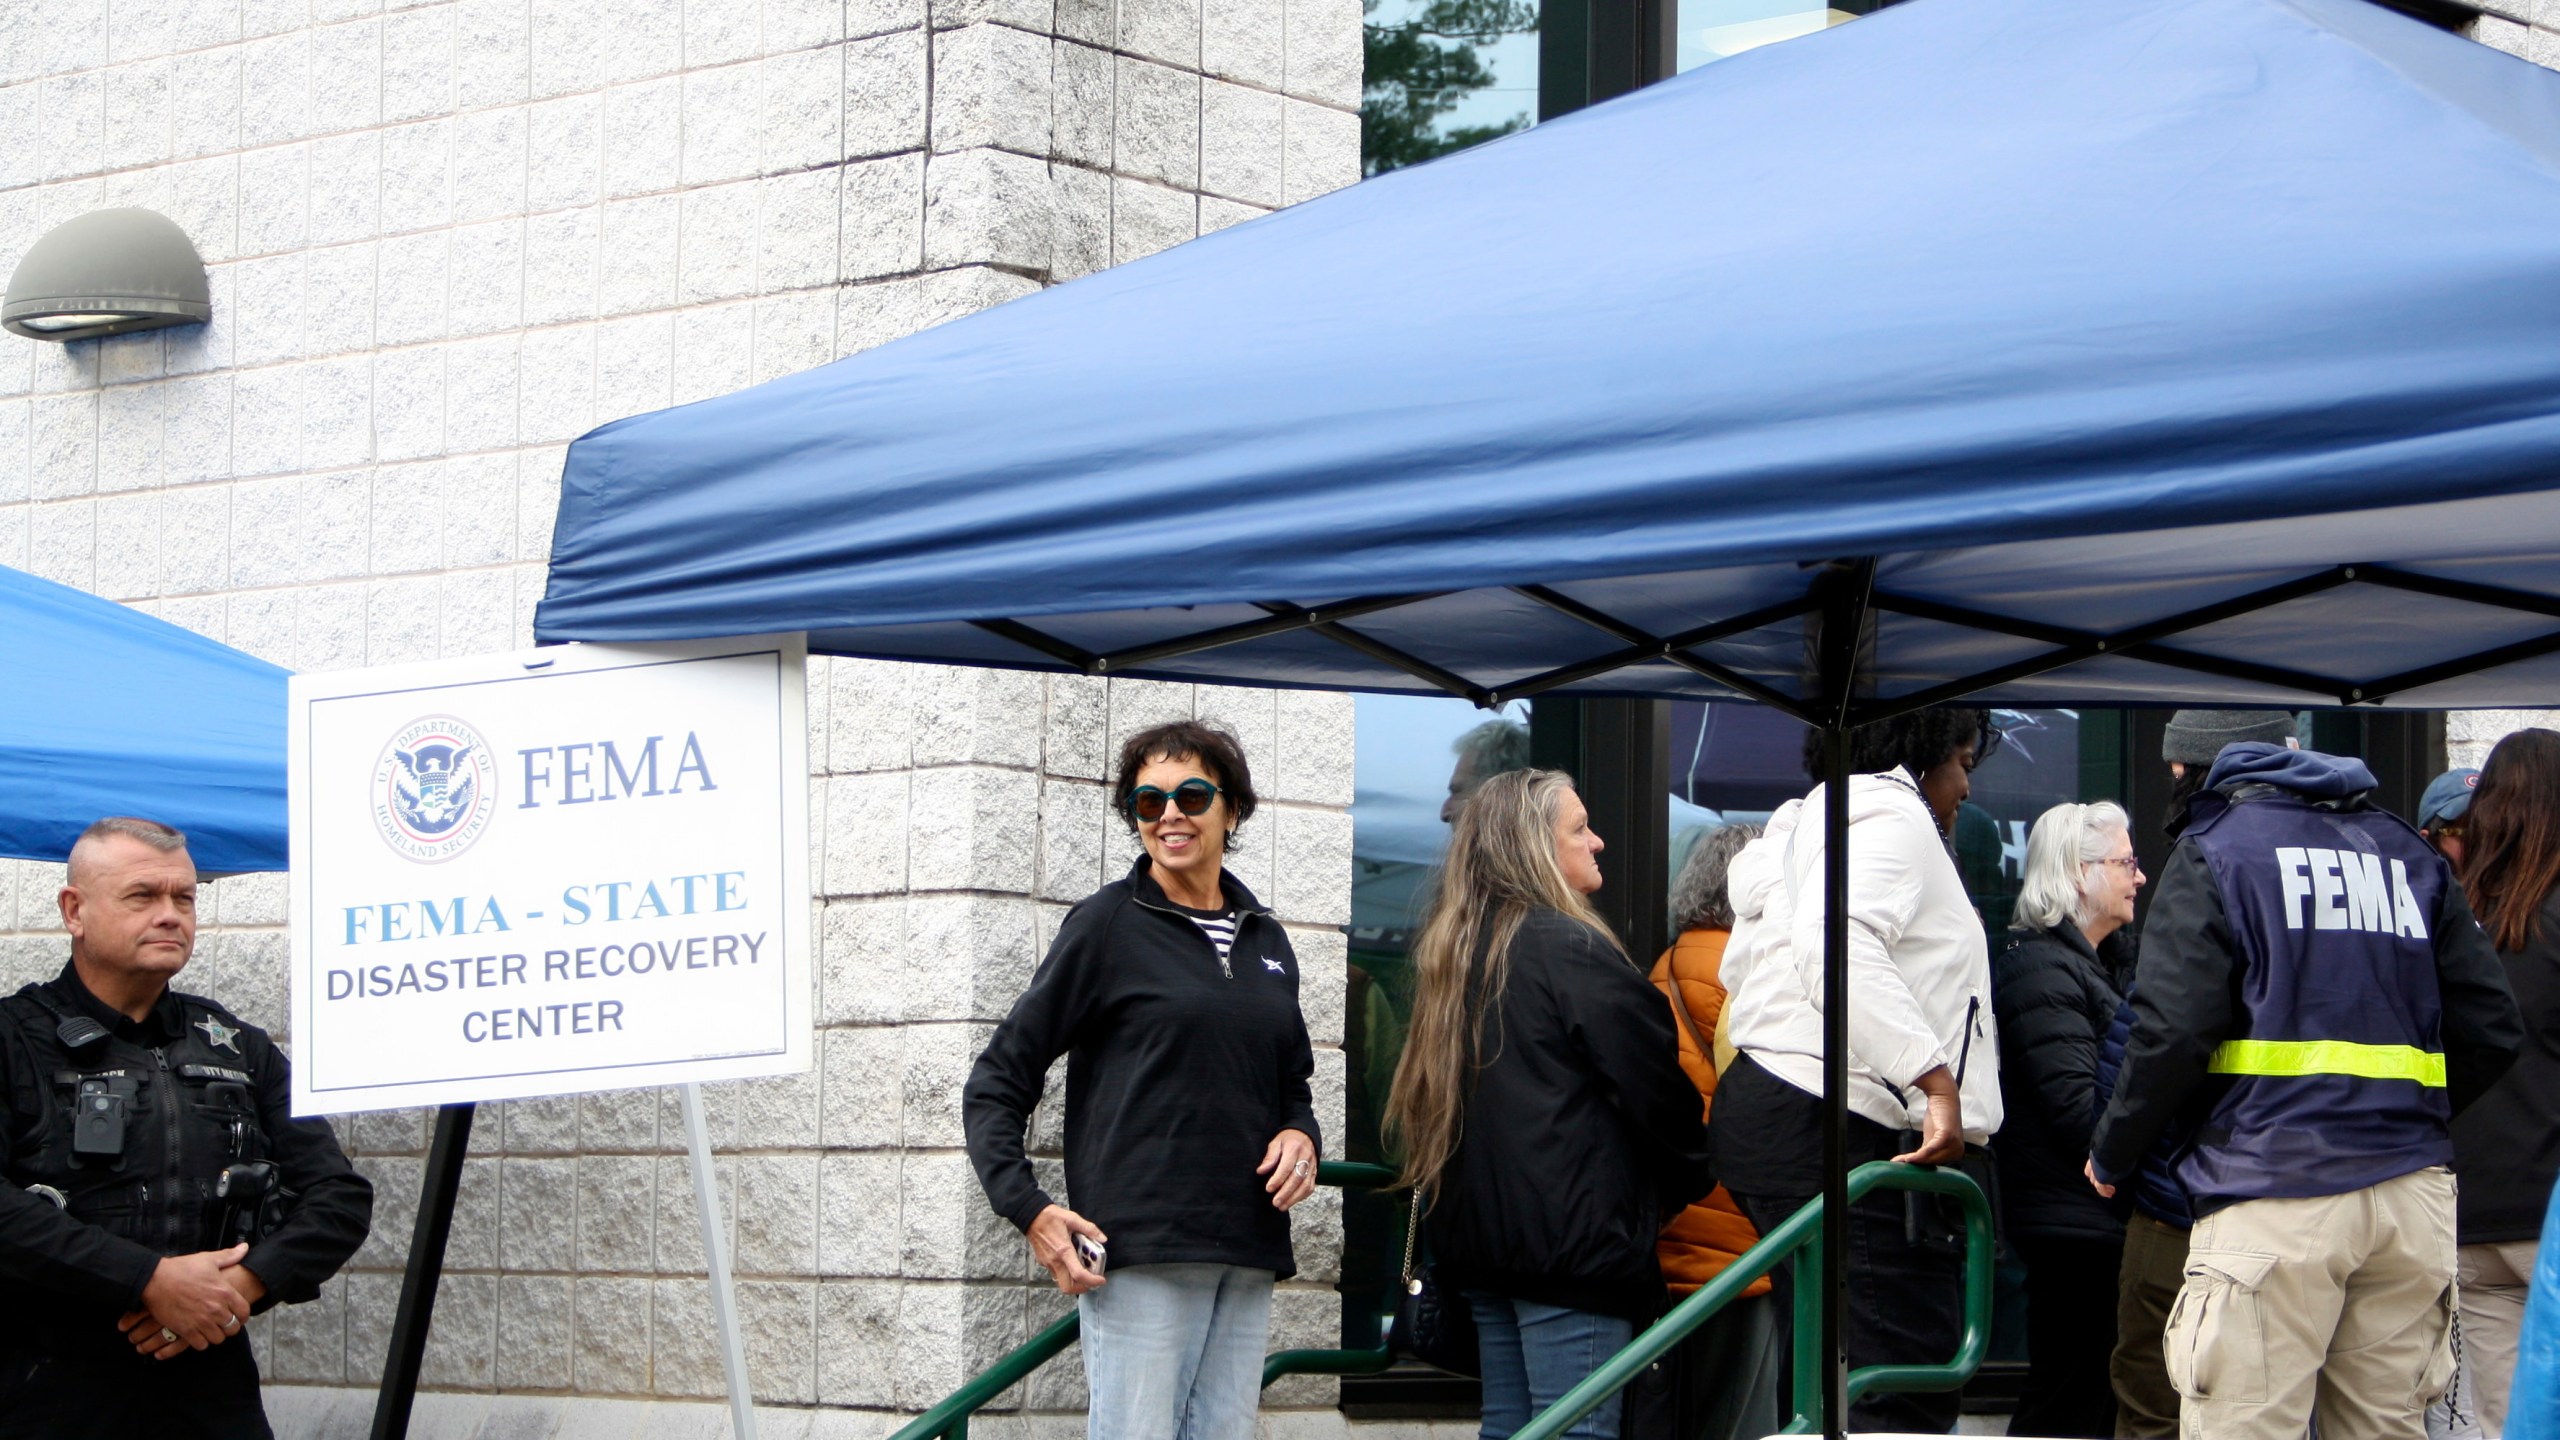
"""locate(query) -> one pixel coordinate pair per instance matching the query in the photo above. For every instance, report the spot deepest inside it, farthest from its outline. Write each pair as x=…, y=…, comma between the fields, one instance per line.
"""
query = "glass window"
x=1416, y=756
x=1443, y=75
x=1711, y=30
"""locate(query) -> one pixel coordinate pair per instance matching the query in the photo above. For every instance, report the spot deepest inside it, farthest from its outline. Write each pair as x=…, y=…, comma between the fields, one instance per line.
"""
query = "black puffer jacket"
x=1580, y=1134
x=2506, y=1147
x=2055, y=995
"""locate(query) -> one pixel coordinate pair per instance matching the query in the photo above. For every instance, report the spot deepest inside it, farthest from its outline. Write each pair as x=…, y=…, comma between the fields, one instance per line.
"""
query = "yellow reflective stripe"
x=2328, y=1057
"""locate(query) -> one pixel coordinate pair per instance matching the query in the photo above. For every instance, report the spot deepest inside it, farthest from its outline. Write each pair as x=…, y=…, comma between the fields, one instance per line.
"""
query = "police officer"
x=155, y=1189
x=2314, y=998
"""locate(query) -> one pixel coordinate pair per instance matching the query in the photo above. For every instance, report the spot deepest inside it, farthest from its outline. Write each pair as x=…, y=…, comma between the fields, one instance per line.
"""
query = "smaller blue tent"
x=108, y=711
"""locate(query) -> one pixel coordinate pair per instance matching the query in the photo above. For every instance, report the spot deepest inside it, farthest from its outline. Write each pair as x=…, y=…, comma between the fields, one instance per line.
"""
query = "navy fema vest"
x=2334, y=1078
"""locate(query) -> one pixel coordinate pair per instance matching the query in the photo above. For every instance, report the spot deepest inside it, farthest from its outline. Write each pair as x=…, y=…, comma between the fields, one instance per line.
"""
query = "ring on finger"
x=168, y=1336
x=230, y=1323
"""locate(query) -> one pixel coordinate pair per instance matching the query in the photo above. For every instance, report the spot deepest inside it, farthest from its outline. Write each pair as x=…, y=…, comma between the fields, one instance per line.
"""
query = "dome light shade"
x=109, y=272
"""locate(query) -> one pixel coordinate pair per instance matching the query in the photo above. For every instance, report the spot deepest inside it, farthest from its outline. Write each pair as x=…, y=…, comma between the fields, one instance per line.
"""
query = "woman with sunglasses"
x=1190, y=1125
x=2055, y=992
x=1539, y=1104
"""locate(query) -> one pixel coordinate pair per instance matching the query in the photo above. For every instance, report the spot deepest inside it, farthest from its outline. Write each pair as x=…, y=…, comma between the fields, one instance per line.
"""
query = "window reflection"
x=1442, y=75
x=1712, y=30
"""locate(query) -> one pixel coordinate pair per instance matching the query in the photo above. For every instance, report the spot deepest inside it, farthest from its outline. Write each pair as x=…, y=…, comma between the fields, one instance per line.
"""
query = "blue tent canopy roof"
x=108, y=711
x=2169, y=351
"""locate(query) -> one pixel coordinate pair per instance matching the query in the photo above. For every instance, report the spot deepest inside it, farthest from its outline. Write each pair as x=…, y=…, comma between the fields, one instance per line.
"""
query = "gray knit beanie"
x=2195, y=737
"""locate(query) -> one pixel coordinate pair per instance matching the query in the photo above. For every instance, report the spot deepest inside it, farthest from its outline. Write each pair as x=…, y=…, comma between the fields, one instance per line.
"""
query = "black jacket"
x=2507, y=1145
x=2055, y=997
x=1180, y=1070
x=1579, y=1135
x=206, y=1089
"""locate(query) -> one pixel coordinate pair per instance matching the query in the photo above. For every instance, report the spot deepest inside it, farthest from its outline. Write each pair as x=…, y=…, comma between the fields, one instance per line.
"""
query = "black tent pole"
x=1835, y=1075
x=442, y=1182
x=1843, y=595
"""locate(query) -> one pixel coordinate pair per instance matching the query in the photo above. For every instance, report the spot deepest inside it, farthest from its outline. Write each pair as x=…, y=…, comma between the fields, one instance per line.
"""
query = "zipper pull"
x=1225, y=969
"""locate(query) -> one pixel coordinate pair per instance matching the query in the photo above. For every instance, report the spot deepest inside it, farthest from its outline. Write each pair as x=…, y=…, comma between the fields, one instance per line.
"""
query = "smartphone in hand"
x=1091, y=1252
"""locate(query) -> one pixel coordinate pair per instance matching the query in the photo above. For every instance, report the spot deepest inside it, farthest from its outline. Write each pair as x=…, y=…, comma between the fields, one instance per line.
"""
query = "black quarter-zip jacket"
x=1179, y=1073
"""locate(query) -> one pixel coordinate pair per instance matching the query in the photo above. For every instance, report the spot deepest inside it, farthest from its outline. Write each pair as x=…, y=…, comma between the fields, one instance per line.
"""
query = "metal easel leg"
x=442, y=1181
x=715, y=1250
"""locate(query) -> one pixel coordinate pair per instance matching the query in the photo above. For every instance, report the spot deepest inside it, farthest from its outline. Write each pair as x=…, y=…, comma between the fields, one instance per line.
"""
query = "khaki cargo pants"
x=2341, y=1304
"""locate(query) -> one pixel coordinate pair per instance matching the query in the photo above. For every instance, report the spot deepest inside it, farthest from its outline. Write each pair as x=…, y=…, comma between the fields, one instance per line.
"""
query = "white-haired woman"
x=1539, y=1105
x=2055, y=989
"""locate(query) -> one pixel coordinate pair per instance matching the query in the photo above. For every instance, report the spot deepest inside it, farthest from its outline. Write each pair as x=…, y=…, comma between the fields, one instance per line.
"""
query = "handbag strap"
x=1412, y=1228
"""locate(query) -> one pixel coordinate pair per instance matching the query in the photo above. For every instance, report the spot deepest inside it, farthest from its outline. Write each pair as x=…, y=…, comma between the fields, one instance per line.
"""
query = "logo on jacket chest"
x=2348, y=890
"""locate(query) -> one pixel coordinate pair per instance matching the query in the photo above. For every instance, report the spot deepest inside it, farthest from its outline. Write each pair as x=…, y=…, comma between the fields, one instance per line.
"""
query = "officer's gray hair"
x=167, y=839
x=2067, y=839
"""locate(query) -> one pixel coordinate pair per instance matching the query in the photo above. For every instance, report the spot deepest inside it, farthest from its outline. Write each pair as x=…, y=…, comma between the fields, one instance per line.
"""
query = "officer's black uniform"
x=199, y=1090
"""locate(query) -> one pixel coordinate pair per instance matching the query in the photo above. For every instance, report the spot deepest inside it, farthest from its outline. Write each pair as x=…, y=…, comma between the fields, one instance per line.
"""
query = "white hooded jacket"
x=1919, y=965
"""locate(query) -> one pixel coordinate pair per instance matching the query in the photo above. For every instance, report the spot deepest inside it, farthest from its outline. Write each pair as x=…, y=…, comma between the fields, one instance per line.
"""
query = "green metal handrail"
x=1799, y=1238
x=951, y=1417
x=1350, y=1175
x=1802, y=1232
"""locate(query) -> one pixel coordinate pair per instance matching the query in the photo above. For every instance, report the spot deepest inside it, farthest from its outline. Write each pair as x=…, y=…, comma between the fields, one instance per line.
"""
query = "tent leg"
x=409, y=1323
x=1835, y=1077
x=1841, y=597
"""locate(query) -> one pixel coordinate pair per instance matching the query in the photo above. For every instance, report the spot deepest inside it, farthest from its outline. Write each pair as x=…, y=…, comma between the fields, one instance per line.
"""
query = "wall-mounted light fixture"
x=109, y=272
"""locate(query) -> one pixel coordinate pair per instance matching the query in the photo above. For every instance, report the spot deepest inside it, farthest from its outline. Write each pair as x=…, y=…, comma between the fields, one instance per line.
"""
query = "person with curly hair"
x=1924, y=1062
x=1724, y=1382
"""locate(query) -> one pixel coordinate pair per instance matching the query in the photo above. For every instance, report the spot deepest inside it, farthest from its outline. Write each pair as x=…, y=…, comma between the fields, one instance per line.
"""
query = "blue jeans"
x=1531, y=1354
x=1174, y=1352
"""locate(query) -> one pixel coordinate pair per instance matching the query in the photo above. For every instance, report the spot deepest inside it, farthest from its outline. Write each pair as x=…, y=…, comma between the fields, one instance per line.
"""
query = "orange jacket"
x=1707, y=1236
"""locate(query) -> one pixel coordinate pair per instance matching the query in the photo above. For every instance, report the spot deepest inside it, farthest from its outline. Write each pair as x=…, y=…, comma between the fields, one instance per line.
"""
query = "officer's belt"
x=2294, y=1058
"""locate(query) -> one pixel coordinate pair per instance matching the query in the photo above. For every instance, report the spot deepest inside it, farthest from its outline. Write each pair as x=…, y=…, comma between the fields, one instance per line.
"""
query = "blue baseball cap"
x=2448, y=797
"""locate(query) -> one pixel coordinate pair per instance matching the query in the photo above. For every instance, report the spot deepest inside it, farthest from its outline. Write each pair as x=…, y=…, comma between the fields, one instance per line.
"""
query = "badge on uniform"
x=218, y=1033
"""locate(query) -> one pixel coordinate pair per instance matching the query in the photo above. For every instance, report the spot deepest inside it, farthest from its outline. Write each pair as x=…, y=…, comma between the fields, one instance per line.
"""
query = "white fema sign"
x=578, y=868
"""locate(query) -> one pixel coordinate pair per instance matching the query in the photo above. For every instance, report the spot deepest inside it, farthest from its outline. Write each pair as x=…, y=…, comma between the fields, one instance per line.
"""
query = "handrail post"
x=1804, y=1360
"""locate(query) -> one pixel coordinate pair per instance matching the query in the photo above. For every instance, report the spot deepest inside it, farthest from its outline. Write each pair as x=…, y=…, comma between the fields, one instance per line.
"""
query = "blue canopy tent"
x=2035, y=351
x=108, y=711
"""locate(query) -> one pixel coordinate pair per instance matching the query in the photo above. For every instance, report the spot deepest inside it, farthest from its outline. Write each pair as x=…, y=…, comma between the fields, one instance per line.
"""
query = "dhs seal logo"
x=434, y=789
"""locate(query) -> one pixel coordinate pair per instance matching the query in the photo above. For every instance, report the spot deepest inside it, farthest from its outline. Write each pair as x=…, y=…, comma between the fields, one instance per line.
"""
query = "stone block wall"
x=446, y=238
x=2530, y=28
x=2469, y=735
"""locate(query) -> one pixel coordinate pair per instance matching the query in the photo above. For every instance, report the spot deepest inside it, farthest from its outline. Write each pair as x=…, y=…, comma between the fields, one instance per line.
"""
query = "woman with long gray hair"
x=2055, y=992
x=1539, y=1105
